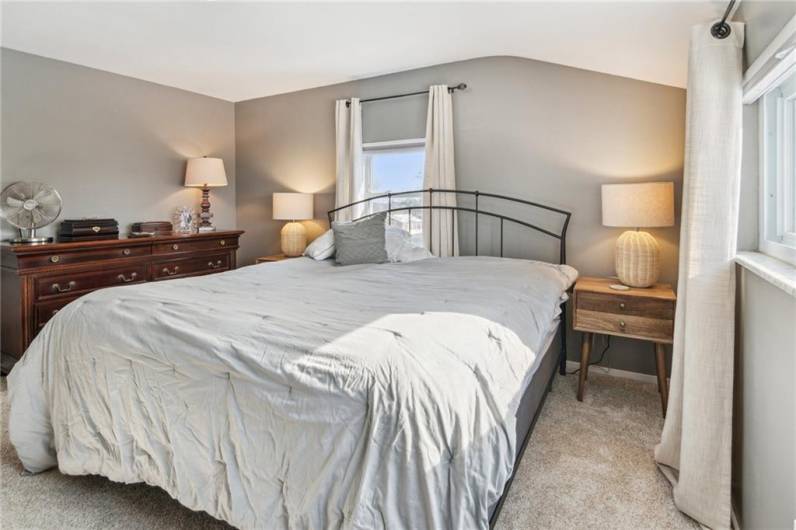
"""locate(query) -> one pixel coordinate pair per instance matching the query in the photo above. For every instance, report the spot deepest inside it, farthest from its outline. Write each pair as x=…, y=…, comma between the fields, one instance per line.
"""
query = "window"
x=778, y=169
x=396, y=166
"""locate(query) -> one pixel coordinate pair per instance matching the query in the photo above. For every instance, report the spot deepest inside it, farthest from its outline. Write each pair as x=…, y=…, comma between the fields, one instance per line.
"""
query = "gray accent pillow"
x=361, y=241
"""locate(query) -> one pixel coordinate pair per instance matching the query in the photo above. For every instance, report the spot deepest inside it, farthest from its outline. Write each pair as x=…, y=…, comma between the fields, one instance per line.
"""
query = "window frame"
x=777, y=227
x=389, y=146
x=777, y=192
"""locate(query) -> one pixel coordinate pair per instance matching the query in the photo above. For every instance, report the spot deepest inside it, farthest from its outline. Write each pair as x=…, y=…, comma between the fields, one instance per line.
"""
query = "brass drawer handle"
x=56, y=287
x=175, y=246
x=170, y=272
x=621, y=305
x=124, y=279
x=215, y=265
x=55, y=259
x=96, y=229
x=222, y=243
x=622, y=324
x=126, y=252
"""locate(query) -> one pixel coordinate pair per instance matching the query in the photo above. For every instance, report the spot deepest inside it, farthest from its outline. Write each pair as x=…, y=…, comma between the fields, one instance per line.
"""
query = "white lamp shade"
x=293, y=206
x=201, y=172
x=642, y=205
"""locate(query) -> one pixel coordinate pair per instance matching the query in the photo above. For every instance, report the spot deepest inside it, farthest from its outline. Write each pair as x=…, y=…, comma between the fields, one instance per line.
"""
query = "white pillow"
x=394, y=240
x=410, y=252
x=322, y=247
x=399, y=246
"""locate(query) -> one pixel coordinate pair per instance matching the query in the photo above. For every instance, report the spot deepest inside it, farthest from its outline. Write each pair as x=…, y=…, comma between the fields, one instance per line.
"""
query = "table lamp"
x=637, y=254
x=205, y=173
x=293, y=207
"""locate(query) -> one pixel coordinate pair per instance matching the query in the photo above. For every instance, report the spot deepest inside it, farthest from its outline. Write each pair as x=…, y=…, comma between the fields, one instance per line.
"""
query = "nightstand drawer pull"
x=124, y=279
x=175, y=246
x=622, y=306
x=55, y=259
x=126, y=252
x=171, y=272
x=215, y=265
x=56, y=287
x=222, y=243
x=622, y=324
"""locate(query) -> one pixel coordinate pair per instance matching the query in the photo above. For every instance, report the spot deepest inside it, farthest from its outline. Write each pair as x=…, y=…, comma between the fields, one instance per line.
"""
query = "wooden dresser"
x=38, y=280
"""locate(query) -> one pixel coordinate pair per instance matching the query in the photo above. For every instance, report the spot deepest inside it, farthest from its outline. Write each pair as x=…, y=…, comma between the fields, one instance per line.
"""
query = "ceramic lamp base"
x=294, y=239
x=637, y=259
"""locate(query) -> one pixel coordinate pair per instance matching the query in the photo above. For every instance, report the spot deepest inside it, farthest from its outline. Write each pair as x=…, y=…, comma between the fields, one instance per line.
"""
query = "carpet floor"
x=588, y=465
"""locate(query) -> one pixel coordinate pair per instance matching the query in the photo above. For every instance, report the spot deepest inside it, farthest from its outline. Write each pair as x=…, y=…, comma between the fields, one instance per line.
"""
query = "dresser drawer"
x=194, y=246
x=62, y=258
x=181, y=268
x=67, y=284
x=633, y=326
x=625, y=305
x=44, y=311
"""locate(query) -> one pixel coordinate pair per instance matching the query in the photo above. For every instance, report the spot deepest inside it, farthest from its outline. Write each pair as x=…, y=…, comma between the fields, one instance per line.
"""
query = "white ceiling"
x=243, y=51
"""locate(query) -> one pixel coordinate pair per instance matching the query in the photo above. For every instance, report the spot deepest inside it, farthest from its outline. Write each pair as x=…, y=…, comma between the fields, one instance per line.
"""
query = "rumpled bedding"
x=296, y=394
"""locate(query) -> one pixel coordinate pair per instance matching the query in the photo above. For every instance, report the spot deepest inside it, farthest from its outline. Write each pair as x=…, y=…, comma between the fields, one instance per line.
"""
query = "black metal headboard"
x=561, y=236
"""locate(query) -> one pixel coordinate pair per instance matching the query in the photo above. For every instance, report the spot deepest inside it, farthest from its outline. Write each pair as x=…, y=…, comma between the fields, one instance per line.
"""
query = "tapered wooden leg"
x=660, y=365
x=585, y=354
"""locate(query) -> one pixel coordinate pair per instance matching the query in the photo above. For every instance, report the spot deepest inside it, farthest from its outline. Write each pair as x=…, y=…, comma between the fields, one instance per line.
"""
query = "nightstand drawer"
x=629, y=325
x=626, y=305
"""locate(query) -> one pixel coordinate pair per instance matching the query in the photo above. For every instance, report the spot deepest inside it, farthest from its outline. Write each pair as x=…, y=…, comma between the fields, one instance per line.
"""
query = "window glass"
x=394, y=167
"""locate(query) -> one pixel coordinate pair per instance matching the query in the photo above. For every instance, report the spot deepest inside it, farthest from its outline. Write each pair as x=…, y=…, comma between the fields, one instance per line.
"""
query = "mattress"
x=297, y=394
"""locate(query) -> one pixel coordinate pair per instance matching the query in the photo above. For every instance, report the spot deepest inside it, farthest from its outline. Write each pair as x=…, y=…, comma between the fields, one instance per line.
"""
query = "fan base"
x=30, y=240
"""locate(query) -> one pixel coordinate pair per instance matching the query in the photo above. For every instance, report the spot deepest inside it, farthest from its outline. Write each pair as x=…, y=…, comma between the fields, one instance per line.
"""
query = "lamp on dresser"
x=642, y=205
x=205, y=173
x=293, y=207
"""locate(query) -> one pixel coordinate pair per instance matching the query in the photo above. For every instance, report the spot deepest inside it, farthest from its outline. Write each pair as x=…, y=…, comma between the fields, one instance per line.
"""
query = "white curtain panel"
x=440, y=232
x=695, y=448
x=348, y=138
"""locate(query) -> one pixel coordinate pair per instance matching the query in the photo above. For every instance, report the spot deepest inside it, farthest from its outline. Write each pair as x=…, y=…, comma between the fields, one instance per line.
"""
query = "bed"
x=301, y=394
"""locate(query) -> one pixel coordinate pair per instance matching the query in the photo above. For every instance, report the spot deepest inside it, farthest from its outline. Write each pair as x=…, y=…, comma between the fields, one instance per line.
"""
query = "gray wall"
x=113, y=146
x=764, y=445
x=525, y=128
x=764, y=441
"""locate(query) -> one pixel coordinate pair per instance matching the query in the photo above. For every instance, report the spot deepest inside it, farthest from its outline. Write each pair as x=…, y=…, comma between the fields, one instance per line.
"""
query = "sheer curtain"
x=695, y=450
x=348, y=140
x=440, y=232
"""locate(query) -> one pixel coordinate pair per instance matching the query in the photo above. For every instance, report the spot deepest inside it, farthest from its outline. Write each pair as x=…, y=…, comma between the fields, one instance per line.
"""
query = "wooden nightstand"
x=644, y=314
x=273, y=257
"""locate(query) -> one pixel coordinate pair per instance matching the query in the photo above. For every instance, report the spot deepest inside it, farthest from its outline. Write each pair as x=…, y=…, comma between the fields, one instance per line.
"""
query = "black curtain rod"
x=460, y=86
x=722, y=30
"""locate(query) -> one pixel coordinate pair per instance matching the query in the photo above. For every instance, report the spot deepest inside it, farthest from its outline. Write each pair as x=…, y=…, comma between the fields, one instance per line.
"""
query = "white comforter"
x=296, y=394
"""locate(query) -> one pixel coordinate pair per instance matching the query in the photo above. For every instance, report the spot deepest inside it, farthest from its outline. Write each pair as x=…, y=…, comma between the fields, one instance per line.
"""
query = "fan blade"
x=16, y=203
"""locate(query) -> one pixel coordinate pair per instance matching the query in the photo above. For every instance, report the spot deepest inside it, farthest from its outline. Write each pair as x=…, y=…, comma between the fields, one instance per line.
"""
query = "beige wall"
x=113, y=146
x=525, y=128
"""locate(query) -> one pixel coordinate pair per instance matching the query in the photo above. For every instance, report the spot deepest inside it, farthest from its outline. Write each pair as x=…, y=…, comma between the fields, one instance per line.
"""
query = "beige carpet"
x=588, y=465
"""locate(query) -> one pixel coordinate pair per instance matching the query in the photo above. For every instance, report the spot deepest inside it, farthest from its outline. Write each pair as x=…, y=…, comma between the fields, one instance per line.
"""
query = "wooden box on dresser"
x=38, y=280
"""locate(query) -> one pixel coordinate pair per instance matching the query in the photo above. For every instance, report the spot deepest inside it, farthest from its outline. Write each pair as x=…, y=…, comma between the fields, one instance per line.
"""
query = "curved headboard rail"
x=561, y=235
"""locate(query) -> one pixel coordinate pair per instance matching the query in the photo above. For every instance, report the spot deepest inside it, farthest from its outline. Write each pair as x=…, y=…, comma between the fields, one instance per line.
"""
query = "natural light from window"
x=392, y=167
x=778, y=151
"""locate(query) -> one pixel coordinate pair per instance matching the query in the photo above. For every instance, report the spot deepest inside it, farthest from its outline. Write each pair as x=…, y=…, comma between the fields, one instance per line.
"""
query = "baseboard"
x=625, y=374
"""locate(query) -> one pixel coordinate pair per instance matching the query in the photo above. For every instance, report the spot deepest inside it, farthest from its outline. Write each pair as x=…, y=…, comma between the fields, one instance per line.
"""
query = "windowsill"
x=774, y=271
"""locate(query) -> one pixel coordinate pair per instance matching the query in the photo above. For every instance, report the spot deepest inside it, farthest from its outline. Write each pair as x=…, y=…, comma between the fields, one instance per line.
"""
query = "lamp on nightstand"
x=205, y=173
x=293, y=207
x=637, y=254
